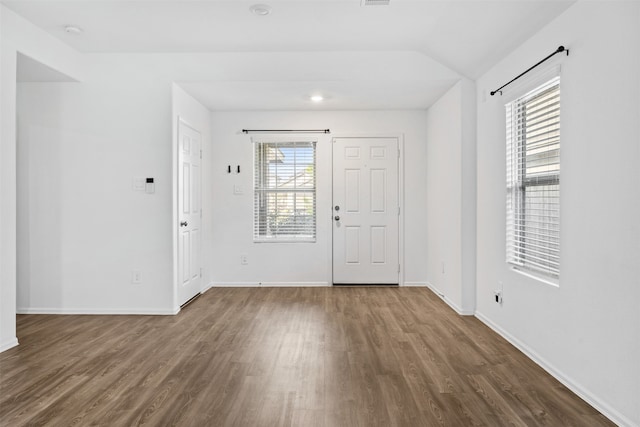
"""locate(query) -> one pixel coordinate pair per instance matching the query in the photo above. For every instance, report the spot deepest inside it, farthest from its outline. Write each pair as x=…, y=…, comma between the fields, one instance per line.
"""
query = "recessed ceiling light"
x=72, y=29
x=317, y=98
x=260, y=9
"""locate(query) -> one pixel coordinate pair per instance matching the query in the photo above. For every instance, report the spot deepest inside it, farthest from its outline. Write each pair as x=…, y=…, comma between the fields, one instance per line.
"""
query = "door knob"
x=183, y=224
x=337, y=218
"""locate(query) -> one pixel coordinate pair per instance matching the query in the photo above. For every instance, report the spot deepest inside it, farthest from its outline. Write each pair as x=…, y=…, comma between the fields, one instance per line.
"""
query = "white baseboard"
x=416, y=284
x=269, y=284
x=572, y=385
x=98, y=311
x=450, y=303
x=8, y=344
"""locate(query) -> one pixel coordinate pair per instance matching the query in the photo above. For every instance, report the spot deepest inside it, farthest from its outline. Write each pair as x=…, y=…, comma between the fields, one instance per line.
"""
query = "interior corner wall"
x=7, y=193
x=450, y=189
x=18, y=35
x=185, y=107
x=586, y=331
x=84, y=226
x=295, y=264
x=468, y=202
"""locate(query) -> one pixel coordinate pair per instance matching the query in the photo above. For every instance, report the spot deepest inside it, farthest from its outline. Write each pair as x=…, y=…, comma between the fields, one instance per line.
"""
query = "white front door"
x=189, y=212
x=365, y=211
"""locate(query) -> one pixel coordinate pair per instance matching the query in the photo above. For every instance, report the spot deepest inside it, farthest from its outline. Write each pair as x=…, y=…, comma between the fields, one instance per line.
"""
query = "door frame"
x=400, y=137
x=175, y=216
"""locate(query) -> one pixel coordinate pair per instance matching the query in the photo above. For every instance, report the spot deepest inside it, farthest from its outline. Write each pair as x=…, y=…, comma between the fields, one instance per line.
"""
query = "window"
x=533, y=181
x=285, y=191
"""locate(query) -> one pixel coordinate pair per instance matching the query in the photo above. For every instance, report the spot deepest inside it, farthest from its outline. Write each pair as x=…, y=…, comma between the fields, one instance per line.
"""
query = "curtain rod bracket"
x=558, y=50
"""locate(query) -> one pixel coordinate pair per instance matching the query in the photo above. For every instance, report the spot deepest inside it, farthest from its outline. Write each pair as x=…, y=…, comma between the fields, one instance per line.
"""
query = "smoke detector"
x=72, y=29
x=260, y=9
x=374, y=3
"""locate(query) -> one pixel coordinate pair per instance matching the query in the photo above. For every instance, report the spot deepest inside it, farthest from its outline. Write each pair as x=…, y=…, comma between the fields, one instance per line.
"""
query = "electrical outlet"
x=136, y=277
x=497, y=295
x=244, y=259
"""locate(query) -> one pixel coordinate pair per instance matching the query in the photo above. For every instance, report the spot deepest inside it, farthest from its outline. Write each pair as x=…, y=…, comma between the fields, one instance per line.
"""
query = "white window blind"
x=285, y=191
x=533, y=180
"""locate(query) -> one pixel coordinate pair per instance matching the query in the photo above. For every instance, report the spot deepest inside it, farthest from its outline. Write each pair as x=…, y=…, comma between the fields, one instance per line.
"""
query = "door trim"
x=400, y=137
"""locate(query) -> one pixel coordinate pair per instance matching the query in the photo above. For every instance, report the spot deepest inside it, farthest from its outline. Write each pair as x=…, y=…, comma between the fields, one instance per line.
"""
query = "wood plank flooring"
x=280, y=357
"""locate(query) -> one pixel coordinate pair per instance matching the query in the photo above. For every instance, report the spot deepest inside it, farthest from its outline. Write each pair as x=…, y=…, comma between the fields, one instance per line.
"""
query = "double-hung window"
x=284, y=191
x=533, y=181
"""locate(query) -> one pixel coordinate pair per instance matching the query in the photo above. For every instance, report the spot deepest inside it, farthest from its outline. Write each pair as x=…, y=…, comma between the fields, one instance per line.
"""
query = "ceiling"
x=401, y=56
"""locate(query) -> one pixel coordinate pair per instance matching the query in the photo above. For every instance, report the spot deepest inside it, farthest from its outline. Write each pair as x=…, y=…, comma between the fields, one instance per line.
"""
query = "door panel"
x=352, y=244
x=378, y=245
x=189, y=229
x=378, y=191
x=185, y=256
x=352, y=190
x=195, y=189
x=365, y=200
x=186, y=188
x=196, y=242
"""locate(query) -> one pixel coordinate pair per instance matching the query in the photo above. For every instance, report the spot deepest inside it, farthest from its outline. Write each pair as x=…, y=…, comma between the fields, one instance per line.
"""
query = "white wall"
x=7, y=191
x=444, y=183
x=82, y=228
x=185, y=107
x=85, y=228
x=17, y=35
x=450, y=190
x=468, y=196
x=587, y=330
x=305, y=263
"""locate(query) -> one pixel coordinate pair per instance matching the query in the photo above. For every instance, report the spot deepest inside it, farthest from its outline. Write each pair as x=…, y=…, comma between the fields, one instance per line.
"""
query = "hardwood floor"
x=280, y=357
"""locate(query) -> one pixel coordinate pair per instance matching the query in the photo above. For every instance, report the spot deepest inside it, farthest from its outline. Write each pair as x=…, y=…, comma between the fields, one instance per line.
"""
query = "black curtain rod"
x=286, y=130
x=558, y=50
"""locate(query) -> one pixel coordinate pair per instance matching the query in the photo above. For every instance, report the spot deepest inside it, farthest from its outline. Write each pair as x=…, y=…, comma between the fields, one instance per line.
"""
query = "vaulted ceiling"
x=400, y=56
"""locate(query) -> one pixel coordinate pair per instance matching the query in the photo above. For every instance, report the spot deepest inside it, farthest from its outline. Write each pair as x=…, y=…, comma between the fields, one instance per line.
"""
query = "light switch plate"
x=139, y=183
x=237, y=189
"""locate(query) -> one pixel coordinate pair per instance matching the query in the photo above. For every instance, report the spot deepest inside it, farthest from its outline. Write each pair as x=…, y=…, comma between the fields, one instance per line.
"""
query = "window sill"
x=283, y=241
x=535, y=276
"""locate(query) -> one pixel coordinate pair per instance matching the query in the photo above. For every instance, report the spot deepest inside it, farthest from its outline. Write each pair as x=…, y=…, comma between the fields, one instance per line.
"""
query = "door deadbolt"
x=337, y=208
x=337, y=218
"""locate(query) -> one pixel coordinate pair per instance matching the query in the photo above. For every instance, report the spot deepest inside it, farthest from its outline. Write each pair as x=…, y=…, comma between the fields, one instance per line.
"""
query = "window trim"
x=314, y=191
x=518, y=183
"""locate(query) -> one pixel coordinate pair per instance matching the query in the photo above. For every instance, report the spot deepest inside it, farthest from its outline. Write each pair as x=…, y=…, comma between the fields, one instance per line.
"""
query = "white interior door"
x=189, y=212
x=365, y=210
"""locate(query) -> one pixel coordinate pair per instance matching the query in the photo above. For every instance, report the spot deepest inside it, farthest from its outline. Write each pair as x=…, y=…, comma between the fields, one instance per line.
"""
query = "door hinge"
x=398, y=268
x=398, y=153
x=200, y=272
x=201, y=154
x=398, y=210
